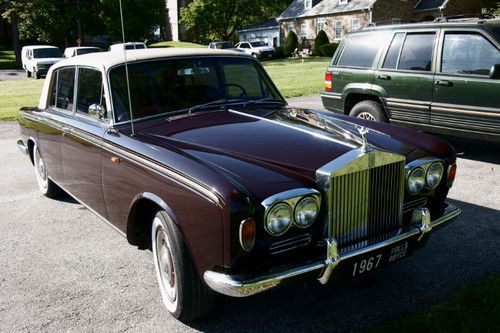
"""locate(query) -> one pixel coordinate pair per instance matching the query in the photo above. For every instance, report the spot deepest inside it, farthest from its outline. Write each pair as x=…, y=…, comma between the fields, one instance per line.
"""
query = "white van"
x=79, y=50
x=37, y=59
x=127, y=46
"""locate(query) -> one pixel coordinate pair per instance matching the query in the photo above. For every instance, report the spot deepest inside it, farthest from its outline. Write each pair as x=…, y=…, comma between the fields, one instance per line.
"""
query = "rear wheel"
x=183, y=293
x=369, y=110
x=46, y=186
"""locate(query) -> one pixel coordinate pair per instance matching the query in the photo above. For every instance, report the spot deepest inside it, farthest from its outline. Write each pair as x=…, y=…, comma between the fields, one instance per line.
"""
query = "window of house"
x=303, y=30
x=90, y=90
x=289, y=28
x=307, y=4
x=320, y=25
x=65, y=88
x=356, y=23
x=338, y=29
x=360, y=50
x=416, y=54
x=468, y=53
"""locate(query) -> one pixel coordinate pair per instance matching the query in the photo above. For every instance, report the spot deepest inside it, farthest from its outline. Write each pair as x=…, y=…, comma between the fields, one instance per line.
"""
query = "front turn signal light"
x=247, y=234
x=452, y=172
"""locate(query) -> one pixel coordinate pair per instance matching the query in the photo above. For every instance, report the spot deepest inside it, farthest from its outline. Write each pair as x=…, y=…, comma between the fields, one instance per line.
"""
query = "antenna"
x=126, y=72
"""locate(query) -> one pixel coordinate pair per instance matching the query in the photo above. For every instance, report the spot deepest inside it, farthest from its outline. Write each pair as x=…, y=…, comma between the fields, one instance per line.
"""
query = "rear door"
x=405, y=75
x=465, y=98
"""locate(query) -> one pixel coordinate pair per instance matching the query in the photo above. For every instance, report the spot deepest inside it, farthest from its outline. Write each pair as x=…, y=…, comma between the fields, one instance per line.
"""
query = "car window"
x=47, y=53
x=140, y=46
x=258, y=44
x=391, y=59
x=468, y=53
x=161, y=86
x=417, y=50
x=90, y=90
x=65, y=88
x=244, y=46
x=129, y=47
x=86, y=51
x=360, y=50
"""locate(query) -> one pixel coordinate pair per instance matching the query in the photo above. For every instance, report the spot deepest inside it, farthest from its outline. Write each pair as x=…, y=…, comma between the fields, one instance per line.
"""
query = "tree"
x=291, y=43
x=210, y=20
x=320, y=40
x=493, y=10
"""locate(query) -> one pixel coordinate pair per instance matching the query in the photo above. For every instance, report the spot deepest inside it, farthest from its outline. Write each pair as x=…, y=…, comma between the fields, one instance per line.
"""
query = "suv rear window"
x=361, y=50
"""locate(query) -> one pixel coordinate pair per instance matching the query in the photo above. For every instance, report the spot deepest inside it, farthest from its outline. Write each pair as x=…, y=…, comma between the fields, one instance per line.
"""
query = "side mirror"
x=495, y=72
x=97, y=111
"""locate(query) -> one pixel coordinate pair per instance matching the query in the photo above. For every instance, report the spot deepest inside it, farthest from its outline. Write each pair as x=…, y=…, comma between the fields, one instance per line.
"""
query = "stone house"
x=339, y=17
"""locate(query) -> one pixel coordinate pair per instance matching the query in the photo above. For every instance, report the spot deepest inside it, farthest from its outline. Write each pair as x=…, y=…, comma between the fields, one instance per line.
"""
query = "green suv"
x=441, y=77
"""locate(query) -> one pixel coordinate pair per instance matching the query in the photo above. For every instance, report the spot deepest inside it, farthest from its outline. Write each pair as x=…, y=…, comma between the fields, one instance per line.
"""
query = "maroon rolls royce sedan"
x=195, y=155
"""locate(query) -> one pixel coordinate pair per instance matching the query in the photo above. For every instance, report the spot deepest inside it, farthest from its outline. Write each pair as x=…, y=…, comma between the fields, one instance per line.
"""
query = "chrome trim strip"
x=466, y=109
x=407, y=105
x=238, y=286
x=332, y=96
x=22, y=147
x=296, y=193
x=407, y=101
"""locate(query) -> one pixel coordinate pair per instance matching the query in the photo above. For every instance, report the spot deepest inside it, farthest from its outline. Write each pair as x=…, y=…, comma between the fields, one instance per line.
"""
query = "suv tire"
x=369, y=110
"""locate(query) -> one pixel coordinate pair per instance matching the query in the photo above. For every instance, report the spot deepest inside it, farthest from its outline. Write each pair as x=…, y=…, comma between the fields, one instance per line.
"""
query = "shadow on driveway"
x=473, y=149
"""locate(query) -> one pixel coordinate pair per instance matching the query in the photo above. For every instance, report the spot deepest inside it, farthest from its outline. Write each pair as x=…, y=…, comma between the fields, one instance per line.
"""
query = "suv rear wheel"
x=369, y=110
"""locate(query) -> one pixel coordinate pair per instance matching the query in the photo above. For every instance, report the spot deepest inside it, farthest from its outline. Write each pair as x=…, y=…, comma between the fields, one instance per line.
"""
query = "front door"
x=465, y=97
x=405, y=76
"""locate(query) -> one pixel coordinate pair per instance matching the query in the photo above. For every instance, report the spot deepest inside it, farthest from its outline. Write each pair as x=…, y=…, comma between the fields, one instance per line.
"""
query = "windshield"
x=166, y=86
x=496, y=31
x=257, y=44
x=85, y=51
x=225, y=45
x=47, y=53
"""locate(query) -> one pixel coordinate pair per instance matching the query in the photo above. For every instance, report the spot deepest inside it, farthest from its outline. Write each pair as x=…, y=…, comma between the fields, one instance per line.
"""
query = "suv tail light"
x=328, y=81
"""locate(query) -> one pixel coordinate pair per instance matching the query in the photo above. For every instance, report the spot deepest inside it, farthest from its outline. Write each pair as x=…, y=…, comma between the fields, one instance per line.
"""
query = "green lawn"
x=16, y=94
x=8, y=60
x=298, y=77
x=475, y=308
x=178, y=44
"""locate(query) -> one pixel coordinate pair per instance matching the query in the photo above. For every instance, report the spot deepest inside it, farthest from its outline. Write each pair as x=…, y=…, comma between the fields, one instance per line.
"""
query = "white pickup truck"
x=37, y=59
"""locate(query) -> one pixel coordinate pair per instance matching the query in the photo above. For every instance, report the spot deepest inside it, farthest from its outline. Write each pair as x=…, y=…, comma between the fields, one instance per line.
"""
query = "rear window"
x=361, y=50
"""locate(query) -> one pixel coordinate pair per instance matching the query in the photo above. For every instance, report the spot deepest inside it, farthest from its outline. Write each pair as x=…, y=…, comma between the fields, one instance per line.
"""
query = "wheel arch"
x=141, y=213
x=31, y=145
x=354, y=98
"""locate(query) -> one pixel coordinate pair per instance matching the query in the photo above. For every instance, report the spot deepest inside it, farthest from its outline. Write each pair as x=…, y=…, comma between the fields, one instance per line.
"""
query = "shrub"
x=291, y=43
x=320, y=40
x=280, y=52
x=328, y=50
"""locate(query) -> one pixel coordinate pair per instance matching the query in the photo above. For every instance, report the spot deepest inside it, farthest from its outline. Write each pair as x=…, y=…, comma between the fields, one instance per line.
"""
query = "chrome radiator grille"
x=367, y=203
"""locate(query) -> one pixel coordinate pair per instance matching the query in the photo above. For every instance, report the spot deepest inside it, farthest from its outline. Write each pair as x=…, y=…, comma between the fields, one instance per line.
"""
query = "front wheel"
x=369, y=110
x=45, y=184
x=183, y=293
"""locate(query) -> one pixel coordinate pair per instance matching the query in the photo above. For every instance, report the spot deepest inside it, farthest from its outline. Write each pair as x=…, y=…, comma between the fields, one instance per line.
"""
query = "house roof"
x=425, y=5
x=269, y=24
x=323, y=7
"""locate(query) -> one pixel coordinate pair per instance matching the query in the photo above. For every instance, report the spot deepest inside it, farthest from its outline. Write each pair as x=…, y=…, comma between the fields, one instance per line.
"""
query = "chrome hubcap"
x=367, y=116
x=41, y=172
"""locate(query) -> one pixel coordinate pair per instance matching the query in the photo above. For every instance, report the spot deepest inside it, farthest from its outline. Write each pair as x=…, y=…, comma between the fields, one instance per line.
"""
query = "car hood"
x=265, y=48
x=267, y=150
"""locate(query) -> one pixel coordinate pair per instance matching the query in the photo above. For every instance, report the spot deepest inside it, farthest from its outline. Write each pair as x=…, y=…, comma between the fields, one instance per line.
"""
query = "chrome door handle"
x=384, y=77
x=444, y=83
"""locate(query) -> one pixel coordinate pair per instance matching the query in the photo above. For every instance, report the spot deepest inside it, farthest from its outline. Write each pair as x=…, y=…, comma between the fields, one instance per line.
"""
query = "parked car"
x=80, y=50
x=257, y=49
x=223, y=46
x=234, y=191
x=128, y=46
x=37, y=59
x=441, y=77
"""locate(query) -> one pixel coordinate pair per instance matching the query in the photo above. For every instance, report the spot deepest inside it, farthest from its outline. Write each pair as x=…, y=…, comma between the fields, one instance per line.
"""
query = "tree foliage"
x=291, y=43
x=320, y=40
x=494, y=10
x=56, y=21
x=210, y=20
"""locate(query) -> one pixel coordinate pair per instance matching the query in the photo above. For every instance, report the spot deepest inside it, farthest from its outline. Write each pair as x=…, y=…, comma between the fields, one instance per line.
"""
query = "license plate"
x=375, y=259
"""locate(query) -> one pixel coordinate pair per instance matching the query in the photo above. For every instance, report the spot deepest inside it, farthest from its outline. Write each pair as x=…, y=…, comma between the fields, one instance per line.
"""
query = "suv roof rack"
x=463, y=18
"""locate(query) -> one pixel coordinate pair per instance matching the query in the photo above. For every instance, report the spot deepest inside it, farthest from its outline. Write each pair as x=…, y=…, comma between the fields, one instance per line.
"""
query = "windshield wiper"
x=218, y=102
x=267, y=100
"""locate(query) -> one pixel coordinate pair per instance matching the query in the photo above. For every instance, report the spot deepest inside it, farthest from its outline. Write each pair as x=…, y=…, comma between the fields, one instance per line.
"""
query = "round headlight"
x=279, y=219
x=434, y=174
x=306, y=212
x=416, y=181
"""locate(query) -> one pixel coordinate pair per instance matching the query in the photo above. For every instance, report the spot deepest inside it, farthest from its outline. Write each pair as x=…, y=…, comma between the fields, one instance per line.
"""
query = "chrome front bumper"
x=237, y=286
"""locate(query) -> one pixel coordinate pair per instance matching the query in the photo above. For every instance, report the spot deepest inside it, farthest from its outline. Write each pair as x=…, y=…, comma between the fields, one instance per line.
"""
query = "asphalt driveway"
x=63, y=269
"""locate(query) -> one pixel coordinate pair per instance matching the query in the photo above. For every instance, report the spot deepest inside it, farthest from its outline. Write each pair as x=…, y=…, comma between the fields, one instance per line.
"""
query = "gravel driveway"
x=13, y=75
x=63, y=269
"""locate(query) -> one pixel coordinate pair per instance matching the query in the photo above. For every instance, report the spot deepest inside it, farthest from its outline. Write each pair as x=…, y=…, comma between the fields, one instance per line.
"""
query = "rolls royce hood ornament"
x=363, y=131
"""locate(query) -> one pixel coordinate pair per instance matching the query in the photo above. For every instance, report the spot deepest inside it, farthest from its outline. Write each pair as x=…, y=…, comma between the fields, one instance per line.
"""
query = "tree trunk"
x=15, y=39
